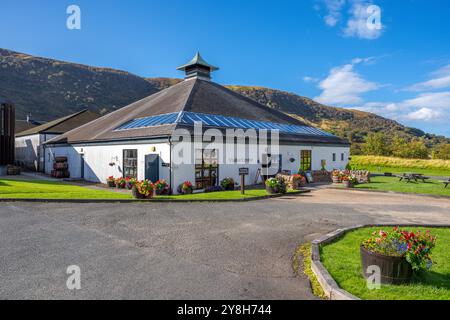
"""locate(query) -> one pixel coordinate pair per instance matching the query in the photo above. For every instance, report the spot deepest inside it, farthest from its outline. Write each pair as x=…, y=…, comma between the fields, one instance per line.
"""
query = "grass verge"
x=432, y=187
x=42, y=189
x=302, y=260
x=342, y=260
x=220, y=195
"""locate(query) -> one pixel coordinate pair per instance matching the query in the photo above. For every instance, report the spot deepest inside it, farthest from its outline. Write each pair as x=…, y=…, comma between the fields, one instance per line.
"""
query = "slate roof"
x=63, y=124
x=194, y=95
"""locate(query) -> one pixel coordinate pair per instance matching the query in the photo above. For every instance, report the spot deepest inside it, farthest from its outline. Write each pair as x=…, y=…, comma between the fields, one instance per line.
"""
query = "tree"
x=442, y=151
x=376, y=145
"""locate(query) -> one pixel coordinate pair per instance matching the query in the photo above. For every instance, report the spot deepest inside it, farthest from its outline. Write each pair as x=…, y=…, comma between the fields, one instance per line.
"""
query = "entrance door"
x=305, y=160
x=82, y=166
x=152, y=167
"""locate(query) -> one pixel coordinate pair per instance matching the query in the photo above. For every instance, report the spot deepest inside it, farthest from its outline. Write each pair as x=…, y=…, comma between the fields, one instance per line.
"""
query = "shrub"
x=415, y=247
x=161, y=186
x=276, y=185
x=185, y=187
x=145, y=188
x=111, y=179
x=227, y=183
x=121, y=183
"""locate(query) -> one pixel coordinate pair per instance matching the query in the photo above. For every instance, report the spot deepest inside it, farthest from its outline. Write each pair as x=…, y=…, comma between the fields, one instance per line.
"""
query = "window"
x=342, y=157
x=334, y=156
x=130, y=163
x=305, y=160
x=206, y=168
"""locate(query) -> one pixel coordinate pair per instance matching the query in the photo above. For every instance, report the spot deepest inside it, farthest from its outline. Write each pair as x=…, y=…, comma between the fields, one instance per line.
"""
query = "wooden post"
x=243, y=172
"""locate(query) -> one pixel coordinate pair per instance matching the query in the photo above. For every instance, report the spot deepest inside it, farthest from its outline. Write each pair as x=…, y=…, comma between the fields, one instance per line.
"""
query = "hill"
x=47, y=89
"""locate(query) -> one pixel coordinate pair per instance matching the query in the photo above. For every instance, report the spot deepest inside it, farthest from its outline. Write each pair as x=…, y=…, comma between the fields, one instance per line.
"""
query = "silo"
x=7, y=125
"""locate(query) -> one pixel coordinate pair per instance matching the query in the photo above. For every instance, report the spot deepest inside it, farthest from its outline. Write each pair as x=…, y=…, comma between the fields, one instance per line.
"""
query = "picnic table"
x=446, y=183
x=410, y=176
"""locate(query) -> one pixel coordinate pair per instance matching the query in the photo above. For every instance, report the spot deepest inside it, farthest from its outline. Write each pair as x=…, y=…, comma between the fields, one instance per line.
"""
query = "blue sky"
x=322, y=49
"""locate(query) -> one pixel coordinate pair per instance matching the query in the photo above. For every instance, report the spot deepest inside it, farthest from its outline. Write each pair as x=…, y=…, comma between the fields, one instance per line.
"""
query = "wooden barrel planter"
x=137, y=195
x=13, y=171
x=347, y=184
x=111, y=184
x=394, y=270
x=336, y=179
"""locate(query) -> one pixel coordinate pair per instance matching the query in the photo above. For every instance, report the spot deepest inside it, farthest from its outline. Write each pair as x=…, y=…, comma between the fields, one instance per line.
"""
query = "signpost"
x=243, y=172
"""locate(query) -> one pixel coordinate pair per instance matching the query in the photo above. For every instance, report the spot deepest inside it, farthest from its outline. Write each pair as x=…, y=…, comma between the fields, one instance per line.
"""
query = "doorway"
x=152, y=167
x=82, y=166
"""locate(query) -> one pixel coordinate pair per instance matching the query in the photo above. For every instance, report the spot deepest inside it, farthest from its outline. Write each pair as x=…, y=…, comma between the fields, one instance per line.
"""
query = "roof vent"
x=198, y=68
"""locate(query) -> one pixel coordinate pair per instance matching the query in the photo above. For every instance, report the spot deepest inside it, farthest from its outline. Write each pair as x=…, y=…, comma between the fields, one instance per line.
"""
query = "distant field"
x=377, y=164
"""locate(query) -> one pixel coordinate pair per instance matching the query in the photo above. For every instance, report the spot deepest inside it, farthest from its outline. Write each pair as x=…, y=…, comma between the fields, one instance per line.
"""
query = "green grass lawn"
x=41, y=189
x=392, y=184
x=342, y=260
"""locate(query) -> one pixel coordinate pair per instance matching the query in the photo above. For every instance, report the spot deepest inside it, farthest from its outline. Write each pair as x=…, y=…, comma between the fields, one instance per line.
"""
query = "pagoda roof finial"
x=198, y=68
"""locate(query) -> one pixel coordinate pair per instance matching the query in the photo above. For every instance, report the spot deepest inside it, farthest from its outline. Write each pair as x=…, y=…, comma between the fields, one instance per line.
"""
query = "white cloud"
x=344, y=86
x=430, y=100
x=357, y=25
x=357, y=15
x=334, y=8
x=310, y=79
x=425, y=114
x=441, y=80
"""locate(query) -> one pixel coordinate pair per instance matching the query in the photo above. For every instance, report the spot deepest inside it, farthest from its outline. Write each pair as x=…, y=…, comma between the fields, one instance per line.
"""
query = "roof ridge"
x=50, y=124
x=257, y=104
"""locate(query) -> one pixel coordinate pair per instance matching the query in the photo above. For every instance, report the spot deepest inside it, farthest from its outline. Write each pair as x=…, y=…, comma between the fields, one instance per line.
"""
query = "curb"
x=391, y=192
x=328, y=284
x=151, y=200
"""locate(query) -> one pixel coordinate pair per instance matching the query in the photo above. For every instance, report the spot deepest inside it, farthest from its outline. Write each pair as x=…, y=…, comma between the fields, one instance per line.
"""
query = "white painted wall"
x=29, y=150
x=98, y=157
x=186, y=172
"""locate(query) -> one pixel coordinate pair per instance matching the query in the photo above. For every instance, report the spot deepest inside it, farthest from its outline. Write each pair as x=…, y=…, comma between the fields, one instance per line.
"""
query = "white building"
x=143, y=140
x=29, y=143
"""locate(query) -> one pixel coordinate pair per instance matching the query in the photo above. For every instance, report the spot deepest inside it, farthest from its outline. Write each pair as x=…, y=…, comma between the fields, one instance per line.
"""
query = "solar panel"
x=158, y=120
x=214, y=120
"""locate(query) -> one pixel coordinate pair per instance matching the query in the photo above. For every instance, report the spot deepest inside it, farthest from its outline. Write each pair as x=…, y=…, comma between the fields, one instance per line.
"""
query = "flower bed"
x=342, y=259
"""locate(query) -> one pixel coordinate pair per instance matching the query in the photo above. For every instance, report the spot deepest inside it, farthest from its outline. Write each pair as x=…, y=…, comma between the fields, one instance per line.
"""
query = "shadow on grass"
x=433, y=279
x=4, y=184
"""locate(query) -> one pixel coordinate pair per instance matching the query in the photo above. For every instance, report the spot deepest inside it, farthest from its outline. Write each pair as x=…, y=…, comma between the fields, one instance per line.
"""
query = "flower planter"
x=276, y=190
x=186, y=191
x=336, y=179
x=160, y=192
x=129, y=185
x=394, y=270
x=111, y=184
x=347, y=184
x=137, y=195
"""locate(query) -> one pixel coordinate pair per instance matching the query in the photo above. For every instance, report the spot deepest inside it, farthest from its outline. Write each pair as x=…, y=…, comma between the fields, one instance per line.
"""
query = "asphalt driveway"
x=180, y=250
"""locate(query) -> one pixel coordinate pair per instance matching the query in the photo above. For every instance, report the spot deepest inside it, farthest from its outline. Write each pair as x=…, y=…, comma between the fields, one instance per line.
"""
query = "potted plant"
x=161, y=187
x=227, y=184
x=186, y=188
x=121, y=183
x=111, y=181
x=130, y=182
x=143, y=189
x=274, y=185
x=298, y=181
x=336, y=176
x=347, y=181
x=398, y=253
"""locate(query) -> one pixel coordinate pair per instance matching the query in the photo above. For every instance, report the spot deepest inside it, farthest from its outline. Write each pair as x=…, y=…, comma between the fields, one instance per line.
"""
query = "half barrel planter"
x=394, y=270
